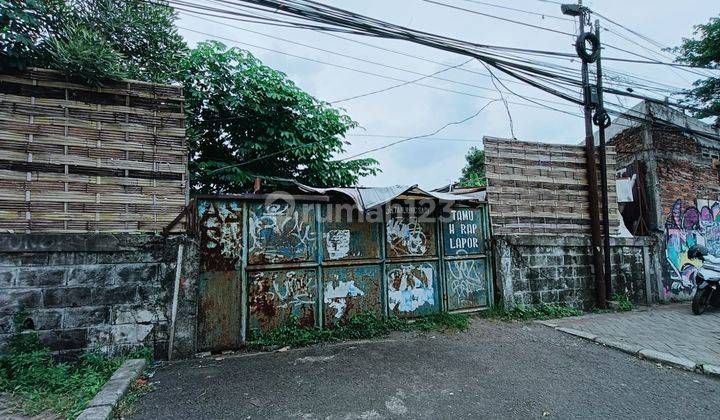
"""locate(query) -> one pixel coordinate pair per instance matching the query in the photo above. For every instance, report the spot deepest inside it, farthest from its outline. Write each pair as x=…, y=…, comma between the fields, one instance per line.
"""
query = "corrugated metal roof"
x=369, y=197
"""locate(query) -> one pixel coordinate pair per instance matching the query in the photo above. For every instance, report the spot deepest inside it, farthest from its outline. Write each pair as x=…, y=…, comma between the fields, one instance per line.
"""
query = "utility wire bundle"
x=555, y=79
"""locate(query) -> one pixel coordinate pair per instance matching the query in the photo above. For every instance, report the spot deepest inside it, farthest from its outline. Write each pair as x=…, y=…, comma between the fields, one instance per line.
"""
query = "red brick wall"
x=627, y=144
x=683, y=172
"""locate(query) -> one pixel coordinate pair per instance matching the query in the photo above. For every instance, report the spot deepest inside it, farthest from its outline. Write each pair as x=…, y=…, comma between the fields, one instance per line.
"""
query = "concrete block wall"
x=531, y=269
x=107, y=292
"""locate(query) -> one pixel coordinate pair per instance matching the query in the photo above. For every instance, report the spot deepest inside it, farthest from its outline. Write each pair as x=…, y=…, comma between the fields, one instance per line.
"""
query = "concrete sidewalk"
x=665, y=329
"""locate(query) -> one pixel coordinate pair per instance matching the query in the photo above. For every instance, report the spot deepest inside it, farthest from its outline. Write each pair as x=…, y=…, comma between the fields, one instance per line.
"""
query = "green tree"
x=245, y=120
x=473, y=174
x=704, y=51
x=25, y=26
x=92, y=40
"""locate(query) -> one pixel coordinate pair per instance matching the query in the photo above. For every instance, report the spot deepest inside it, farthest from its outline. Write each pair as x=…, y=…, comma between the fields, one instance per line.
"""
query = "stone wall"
x=555, y=269
x=107, y=292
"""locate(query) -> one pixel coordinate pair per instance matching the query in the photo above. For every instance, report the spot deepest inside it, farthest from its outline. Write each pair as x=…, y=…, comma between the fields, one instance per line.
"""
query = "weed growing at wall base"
x=359, y=327
x=41, y=384
x=623, y=303
x=527, y=312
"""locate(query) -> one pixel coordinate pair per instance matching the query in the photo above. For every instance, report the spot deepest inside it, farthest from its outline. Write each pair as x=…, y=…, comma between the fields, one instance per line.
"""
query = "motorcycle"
x=707, y=279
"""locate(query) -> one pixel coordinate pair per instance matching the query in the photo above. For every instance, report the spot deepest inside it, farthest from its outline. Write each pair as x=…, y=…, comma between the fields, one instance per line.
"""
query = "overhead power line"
x=517, y=22
x=385, y=65
x=542, y=15
x=423, y=135
x=490, y=54
x=369, y=73
x=387, y=136
x=399, y=85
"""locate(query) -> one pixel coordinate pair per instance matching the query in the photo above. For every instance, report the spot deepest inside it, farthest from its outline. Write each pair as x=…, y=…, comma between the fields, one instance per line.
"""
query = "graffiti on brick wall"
x=281, y=233
x=221, y=234
x=684, y=228
x=411, y=288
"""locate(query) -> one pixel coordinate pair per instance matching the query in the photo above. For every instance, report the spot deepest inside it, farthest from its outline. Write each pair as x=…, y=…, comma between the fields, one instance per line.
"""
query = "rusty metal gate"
x=263, y=266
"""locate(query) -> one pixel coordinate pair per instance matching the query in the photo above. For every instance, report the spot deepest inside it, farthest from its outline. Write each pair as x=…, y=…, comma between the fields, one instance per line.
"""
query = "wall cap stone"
x=80, y=242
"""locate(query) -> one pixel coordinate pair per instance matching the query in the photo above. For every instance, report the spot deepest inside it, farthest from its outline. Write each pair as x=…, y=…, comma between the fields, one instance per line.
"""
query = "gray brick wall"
x=107, y=292
x=531, y=269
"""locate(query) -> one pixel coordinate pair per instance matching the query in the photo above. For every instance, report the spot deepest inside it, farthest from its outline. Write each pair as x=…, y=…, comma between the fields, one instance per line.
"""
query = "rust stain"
x=219, y=311
x=220, y=235
x=349, y=291
x=279, y=233
x=276, y=297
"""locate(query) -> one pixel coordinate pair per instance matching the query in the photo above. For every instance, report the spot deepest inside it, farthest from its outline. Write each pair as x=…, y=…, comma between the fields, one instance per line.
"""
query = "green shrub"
x=41, y=384
x=85, y=54
x=358, y=327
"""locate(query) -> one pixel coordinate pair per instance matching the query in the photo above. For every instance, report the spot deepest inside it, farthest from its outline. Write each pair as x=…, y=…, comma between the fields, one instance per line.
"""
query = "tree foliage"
x=92, y=40
x=246, y=120
x=25, y=25
x=704, y=51
x=473, y=173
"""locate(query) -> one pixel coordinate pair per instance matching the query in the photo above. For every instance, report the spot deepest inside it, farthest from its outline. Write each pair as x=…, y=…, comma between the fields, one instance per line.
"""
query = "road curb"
x=641, y=353
x=102, y=406
x=668, y=359
x=577, y=333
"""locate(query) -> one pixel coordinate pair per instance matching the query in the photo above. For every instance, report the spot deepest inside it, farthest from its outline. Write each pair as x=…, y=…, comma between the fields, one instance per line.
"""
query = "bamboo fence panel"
x=542, y=189
x=75, y=158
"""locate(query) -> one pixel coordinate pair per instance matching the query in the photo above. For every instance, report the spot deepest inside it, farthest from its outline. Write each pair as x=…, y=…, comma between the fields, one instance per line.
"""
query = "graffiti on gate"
x=277, y=296
x=466, y=282
x=406, y=237
x=411, y=288
x=281, y=233
x=221, y=234
x=350, y=291
x=685, y=228
x=337, y=242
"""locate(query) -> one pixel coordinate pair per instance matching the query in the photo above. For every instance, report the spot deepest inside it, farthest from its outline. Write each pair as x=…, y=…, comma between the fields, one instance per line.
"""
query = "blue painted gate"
x=265, y=265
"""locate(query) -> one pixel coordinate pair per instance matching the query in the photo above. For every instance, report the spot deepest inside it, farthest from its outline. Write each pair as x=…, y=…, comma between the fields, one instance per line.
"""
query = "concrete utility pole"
x=602, y=120
x=581, y=46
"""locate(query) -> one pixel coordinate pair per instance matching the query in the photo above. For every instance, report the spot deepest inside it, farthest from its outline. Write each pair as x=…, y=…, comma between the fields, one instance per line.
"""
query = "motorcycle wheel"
x=701, y=300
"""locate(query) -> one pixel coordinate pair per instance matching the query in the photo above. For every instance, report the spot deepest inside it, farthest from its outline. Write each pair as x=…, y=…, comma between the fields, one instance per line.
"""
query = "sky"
x=414, y=110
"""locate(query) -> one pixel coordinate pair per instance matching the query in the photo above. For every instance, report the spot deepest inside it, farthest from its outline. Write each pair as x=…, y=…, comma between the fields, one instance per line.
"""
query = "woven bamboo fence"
x=79, y=159
x=542, y=189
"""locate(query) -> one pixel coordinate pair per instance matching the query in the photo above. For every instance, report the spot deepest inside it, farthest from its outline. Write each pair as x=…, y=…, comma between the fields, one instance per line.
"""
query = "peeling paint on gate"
x=349, y=240
x=350, y=291
x=280, y=233
x=406, y=236
x=220, y=234
x=398, y=263
x=412, y=288
x=274, y=297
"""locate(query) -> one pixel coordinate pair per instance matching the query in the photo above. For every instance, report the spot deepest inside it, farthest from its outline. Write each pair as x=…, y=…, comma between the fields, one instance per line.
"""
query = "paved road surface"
x=667, y=328
x=495, y=370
